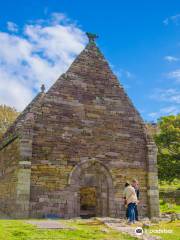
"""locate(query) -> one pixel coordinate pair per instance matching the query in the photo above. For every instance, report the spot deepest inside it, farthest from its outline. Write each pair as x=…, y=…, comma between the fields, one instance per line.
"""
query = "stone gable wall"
x=86, y=115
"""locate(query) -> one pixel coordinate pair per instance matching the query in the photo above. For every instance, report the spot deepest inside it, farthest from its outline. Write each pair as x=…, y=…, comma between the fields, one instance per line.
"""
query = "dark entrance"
x=88, y=202
x=94, y=192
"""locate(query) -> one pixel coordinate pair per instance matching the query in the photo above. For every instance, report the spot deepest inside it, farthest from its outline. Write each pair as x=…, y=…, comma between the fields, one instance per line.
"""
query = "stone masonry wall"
x=86, y=115
x=9, y=159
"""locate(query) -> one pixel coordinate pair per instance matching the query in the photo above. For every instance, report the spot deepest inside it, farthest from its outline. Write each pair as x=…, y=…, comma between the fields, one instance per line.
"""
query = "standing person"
x=125, y=202
x=135, y=184
x=131, y=200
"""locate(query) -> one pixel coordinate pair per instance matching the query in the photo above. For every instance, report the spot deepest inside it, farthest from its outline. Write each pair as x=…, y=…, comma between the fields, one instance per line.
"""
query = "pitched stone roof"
x=13, y=130
x=90, y=79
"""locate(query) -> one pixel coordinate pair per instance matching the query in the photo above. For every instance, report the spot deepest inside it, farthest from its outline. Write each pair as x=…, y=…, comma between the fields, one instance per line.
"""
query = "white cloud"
x=12, y=27
x=174, y=19
x=123, y=73
x=153, y=115
x=171, y=59
x=174, y=75
x=42, y=53
x=170, y=95
x=169, y=110
x=57, y=18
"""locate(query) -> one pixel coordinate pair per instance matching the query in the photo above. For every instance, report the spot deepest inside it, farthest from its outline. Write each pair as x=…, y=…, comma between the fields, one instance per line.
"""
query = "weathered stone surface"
x=122, y=226
x=83, y=133
x=49, y=224
x=9, y=158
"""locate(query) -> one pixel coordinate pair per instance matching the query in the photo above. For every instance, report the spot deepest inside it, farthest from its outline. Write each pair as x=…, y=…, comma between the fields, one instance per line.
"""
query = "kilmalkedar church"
x=70, y=152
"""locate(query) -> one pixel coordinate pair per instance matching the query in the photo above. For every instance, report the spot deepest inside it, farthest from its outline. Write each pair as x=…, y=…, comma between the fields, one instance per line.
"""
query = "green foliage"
x=168, y=143
x=7, y=117
x=172, y=186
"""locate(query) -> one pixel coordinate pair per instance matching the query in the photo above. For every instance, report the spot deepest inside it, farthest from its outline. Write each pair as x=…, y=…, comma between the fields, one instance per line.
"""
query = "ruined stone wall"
x=9, y=160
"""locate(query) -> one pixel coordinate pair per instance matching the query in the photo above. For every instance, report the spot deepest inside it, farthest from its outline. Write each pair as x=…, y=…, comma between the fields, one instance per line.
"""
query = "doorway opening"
x=88, y=202
x=93, y=190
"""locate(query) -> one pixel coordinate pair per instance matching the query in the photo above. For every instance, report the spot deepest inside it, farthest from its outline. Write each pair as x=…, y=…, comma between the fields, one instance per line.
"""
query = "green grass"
x=83, y=230
x=166, y=207
x=172, y=226
x=175, y=185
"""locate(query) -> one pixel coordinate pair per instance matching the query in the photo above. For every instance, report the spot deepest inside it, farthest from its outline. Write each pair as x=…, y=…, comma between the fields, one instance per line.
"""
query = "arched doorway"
x=92, y=187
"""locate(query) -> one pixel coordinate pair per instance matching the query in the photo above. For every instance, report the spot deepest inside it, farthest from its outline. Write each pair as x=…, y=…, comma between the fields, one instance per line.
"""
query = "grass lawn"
x=167, y=226
x=19, y=230
x=169, y=186
x=166, y=207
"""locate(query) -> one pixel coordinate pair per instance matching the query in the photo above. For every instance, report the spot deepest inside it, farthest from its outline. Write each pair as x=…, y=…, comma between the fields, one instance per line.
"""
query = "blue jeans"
x=131, y=212
x=136, y=213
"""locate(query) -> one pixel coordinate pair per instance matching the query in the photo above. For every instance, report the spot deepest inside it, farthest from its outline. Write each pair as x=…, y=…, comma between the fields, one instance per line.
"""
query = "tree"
x=7, y=117
x=168, y=143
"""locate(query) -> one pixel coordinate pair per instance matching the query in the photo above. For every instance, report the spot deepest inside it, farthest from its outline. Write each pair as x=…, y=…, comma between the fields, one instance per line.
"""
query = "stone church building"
x=70, y=152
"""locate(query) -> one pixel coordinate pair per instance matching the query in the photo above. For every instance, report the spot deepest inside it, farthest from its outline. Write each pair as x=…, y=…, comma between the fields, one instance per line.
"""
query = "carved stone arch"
x=85, y=164
x=92, y=173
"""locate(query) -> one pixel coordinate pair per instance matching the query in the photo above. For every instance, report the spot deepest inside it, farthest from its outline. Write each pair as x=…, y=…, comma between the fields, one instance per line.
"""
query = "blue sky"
x=140, y=39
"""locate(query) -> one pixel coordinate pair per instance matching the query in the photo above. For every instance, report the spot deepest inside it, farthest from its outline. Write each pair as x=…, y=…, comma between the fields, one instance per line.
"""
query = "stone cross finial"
x=42, y=88
x=91, y=37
